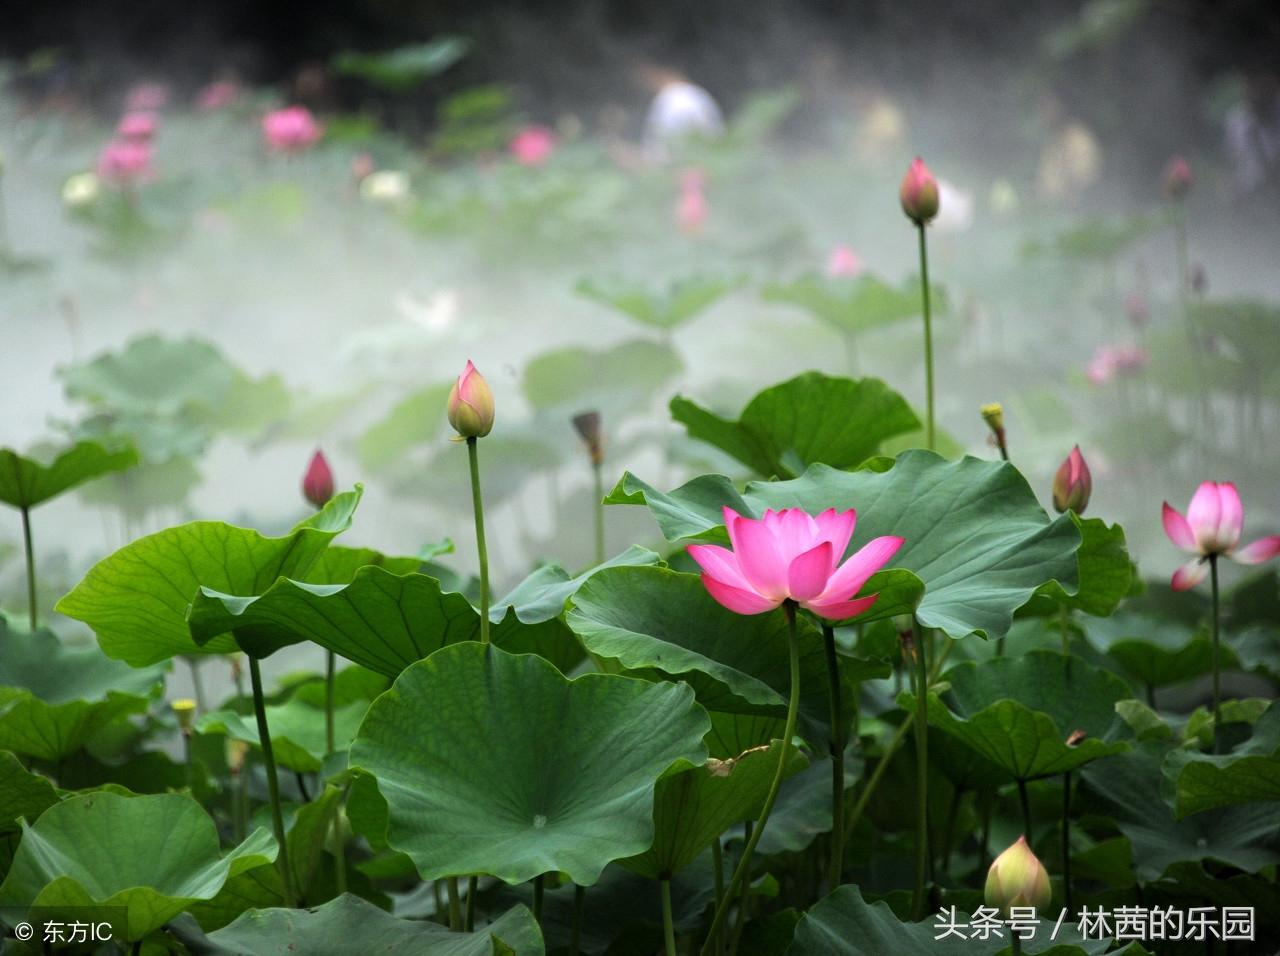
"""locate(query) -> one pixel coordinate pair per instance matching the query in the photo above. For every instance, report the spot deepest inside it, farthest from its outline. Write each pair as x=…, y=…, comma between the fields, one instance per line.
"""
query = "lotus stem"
x=744, y=903
x=273, y=782
x=1016, y=944
x=469, y=923
x=482, y=552
x=922, y=761
x=330, y=665
x=1066, y=839
x=339, y=844
x=837, y=758
x=598, y=486
x=579, y=909
x=1213, y=579
x=197, y=684
x=930, y=434
x=539, y=888
x=668, y=927
x=31, y=568
x=717, y=863
x=455, y=909
x=742, y=871
x=1025, y=801
x=865, y=797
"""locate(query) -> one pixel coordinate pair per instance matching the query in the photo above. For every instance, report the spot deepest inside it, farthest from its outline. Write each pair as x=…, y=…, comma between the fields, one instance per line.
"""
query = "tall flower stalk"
x=1211, y=529
x=787, y=559
x=470, y=411
x=273, y=783
x=919, y=197
x=922, y=769
x=588, y=427
x=837, y=757
x=29, y=549
x=317, y=488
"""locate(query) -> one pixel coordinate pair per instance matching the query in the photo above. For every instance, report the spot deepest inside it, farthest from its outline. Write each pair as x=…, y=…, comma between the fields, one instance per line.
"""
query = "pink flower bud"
x=1073, y=484
x=919, y=193
x=533, y=145
x=1177, y=177
x=317, y=483
x=843, y=262
x=471, y=404
x=1018, y=878
x=125, y=162
x=138, y=125
x=291, y=129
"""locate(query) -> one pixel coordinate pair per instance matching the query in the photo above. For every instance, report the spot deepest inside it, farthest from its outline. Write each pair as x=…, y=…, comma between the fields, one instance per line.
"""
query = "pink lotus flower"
x=217, y=95
x=138, y=125
x=317, y=483
x=843, y=262
x=147, y=96
x=470, y=407
x=532, y=145
x=291, y=130
x=1073, y=484
x=692, y=207
x=125, y=162
x=1177, y=177
x=918, y=193
x=1211, y=528
x=791, y=555
x=1109, y=360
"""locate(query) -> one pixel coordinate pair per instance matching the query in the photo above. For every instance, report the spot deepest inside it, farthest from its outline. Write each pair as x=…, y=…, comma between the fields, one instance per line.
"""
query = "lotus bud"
x=588, y=427
x=317, y=483
x=919, y=193
x=1177, y=177
x=1017, y=878
x=237, y=750
x=184, y=709
x=471, y=404
x=993, y=415
x=1073, y=484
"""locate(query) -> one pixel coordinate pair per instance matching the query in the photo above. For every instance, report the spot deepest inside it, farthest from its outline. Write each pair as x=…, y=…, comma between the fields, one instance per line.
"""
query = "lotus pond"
x=749, y=594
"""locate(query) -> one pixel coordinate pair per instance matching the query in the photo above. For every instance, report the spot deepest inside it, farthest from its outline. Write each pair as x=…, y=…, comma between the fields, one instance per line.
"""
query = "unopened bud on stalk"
x=471, y=404
x=317, y=483
x=184, y=709
x=919, y=193
x=993, y=415
x=587, y=425
x=237, y=750
x=1177, y=177
x=1073, y=484
x=1017, y=878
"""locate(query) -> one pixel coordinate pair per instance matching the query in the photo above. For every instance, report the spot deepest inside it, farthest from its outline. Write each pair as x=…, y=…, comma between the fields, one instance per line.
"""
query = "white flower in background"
x=385, y=185
x=81, y=190
x=436, y=313
x=955, y=208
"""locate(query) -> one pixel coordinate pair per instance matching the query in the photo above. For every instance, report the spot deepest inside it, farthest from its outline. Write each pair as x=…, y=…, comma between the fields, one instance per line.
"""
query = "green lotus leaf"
x=414, y=420
x=844, y=924
x=1131, y=785
x=692, y=808
x=854, y=304
x=153, y=855
x=680, y=302
x=1018, y=712
x=23, y=795
x=137, y=599
x=973, y=531
x=25, y=482
x=338, y=565
x=351, y=926
x=1250, y=774
x=663, y=625
x=1106, y=570
x=53, y=697
x=803, y=810
x=525, y=772
x=1155, y=651
x=612, y=380
x=402, y=68
x=297, y=731
x=543, y=594
x=811, y=418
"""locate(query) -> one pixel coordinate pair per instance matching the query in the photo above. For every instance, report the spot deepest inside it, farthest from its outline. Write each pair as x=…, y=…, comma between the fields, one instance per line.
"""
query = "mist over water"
x=355, y=304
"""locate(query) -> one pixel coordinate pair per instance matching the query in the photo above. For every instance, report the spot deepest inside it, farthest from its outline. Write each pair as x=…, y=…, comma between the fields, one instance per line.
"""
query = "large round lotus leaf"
x=973, y=531
x=1249, y=774
x=53, y=697
x=693, y=807
x=495, y=763
x=297, y=731
x=1018, y=712
x=1241, y=836
x=154, y=855
x=663, y=625
x=1106, y=572
x=682, y=300
x=1155, y=651
x=136, y=599
x=613, y=380
x=350, y=926
x=810, y=418
x=844, y=924
x=25, y=482
x=854, y=304
x=413, y=421
x=23, y=795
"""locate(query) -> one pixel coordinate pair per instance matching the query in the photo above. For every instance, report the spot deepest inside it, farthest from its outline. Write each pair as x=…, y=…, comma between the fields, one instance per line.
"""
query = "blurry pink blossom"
x=691, y=208
x=843, y=262
x=146, y=97
x=217, y=95
x=532, y=145
x=291, y=129
x=1110, y=359
x=138, y=125
x=125, y=162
